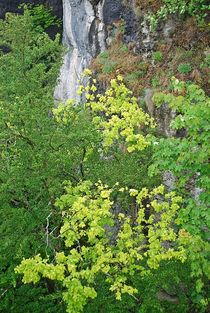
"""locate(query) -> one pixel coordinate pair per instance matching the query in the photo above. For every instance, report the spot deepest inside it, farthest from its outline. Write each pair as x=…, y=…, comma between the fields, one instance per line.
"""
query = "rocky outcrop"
x=84, y=35
x=88, y=28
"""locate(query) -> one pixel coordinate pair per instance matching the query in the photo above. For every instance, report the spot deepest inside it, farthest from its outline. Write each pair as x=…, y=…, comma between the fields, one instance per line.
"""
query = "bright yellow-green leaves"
x=118, y=115
x=35, y=267
x=119, y=232
x=99, y=241
x=63, y=112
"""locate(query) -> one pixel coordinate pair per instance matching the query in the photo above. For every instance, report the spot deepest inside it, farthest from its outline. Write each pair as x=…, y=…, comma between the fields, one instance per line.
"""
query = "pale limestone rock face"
x=84, y=37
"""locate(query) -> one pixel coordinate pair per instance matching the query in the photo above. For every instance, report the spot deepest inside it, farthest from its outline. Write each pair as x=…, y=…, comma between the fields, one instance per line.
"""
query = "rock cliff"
x=84, y=35
x=88, y=28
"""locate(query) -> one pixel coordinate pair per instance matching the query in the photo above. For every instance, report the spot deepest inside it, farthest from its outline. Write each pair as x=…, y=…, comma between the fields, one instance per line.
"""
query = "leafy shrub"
x=90, y=223
x=43, y=17
x=150, y=227
x=104, y=55
x=184, y=68
x=188, y=159
x=195, y=8
x=206, y=61
x=157, y=56
x=109, y=67
x=124, y=48
x=128, y=239
x=134, y=76
x=155, y=81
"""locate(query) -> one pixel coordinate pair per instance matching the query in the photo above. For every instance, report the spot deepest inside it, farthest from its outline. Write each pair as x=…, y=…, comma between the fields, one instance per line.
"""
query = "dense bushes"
x=195, y=8
x=80, y=215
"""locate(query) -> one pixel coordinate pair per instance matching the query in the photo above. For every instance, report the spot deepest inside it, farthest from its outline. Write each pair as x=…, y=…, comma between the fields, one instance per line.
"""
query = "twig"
x=47, y=228
x=4, y=292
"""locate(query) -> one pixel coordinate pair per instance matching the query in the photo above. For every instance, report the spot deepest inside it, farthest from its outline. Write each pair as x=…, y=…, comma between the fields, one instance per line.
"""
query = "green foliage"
x=108, y=67
x=37, y=154
x=110, y=166
x=193, y=116
x=134, y=76
x=123, y=119
x=104, y=55
x=124, y=48
x=184, y=68
x=187, y=158
x=27, y=299
x=196, y=8
x=29, y=175
x=114, y=233
x=168, y=277
x=42, y=17
x=88, y=228
x=155, y=81
x=157, y=56
x=106, y=229
x=206, y=61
